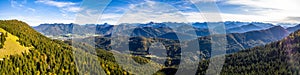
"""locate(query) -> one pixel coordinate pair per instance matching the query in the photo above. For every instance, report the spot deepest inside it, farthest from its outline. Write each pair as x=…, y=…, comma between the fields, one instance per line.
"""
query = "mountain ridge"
x=105, y=29
x=51, y=56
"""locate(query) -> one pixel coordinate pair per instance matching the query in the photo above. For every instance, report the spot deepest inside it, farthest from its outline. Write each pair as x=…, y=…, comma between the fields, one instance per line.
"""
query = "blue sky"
x=35, y=12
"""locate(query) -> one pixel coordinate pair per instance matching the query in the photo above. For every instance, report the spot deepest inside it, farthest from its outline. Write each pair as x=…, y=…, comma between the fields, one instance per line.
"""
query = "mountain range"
x=149, y=29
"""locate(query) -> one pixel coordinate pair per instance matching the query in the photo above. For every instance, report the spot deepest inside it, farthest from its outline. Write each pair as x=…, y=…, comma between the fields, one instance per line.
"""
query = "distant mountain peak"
x=293, y=29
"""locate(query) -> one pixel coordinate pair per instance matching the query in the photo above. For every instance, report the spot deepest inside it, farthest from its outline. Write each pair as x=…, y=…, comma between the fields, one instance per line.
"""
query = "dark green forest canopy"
x=47, y=57
x=280, y=57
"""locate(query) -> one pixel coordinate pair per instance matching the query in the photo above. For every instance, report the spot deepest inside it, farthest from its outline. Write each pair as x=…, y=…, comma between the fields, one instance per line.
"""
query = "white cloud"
x=264, y=11
x=198, y=1
x=73, y=9
x=197, y=17
x=292, y=19
x=21, y=5
x=151, y=11
x=15, y=4
x=55, y=3
x=87, y=16
x=277, y=9
x=155, y=11
x=31, y=9
x=158, y=12
x=65, y=6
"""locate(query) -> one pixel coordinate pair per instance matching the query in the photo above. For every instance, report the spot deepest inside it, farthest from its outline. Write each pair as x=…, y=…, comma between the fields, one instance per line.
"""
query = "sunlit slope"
x=53, y=57
x=11, y=45
x=45, y=56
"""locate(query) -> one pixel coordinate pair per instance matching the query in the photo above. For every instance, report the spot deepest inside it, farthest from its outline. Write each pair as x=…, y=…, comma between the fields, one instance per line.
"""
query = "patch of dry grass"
x=11, y=45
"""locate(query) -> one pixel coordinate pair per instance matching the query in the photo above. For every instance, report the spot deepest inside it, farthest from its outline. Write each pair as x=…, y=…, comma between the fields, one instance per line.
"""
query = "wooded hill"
x=277, y=58
x=47, y=56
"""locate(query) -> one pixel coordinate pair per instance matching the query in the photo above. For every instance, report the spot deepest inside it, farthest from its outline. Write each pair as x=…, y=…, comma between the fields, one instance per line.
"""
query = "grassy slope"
x=11, y=46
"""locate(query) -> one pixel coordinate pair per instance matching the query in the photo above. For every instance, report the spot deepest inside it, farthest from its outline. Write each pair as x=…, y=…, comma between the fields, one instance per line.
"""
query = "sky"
x=35, y=12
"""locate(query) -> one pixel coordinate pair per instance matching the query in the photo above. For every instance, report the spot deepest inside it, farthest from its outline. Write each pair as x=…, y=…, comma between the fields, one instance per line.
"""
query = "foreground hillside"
x=47, y=56
x=277, y=58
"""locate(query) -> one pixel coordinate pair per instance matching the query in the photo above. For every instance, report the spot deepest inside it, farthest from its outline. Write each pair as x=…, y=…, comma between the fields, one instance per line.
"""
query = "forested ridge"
x=276, y=58
x=48, y=56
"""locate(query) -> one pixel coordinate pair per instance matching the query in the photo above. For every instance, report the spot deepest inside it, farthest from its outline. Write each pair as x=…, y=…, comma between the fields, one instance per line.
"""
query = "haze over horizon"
x=61, y=11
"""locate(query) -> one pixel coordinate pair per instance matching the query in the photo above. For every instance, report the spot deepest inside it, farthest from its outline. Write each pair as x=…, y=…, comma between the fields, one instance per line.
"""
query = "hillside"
x=241, y=41
x=48, y=56
x=45, y=57
x=277, y=58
